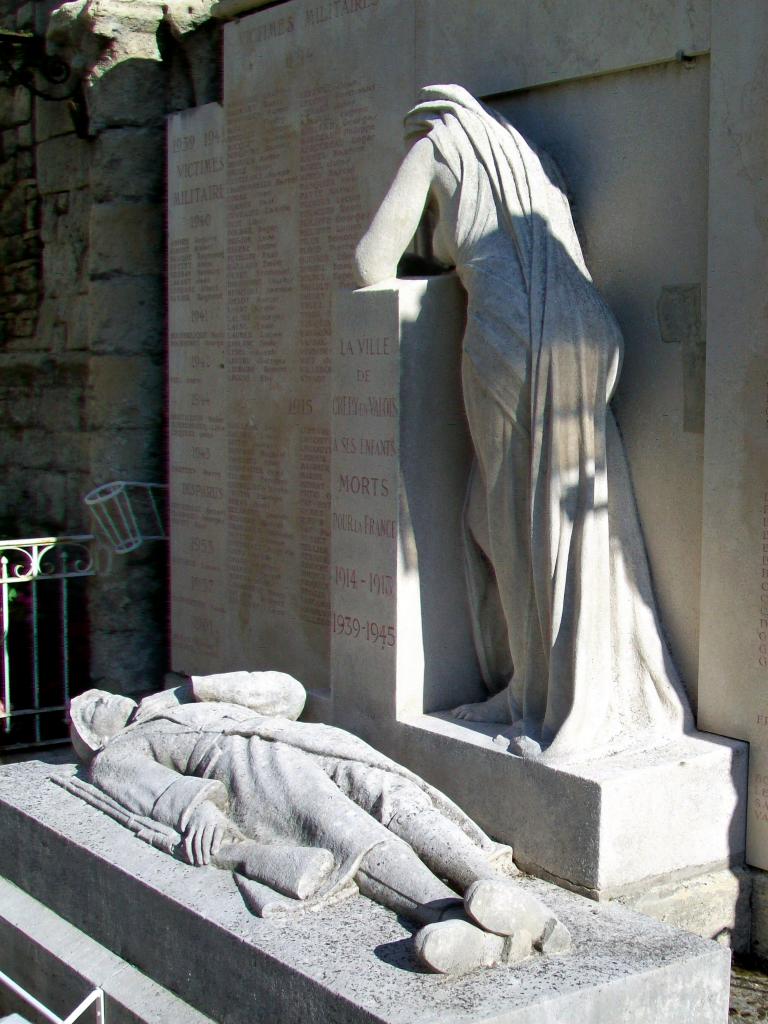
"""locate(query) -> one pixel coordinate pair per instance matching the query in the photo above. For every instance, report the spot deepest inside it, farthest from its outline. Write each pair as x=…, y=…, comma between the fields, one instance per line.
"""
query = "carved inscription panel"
x=197, y=386
x=364, y=501
x=313, y=103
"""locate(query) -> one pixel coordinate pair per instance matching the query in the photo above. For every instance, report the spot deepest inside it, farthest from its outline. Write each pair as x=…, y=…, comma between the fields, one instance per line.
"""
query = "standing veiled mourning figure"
x=564, y=618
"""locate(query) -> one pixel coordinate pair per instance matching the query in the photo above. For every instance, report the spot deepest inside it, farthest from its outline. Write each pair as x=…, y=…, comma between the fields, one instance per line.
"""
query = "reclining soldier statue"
x=218, y=771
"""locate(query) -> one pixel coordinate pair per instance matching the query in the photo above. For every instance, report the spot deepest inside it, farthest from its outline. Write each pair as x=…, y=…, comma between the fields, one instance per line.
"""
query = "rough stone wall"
x=82, y=329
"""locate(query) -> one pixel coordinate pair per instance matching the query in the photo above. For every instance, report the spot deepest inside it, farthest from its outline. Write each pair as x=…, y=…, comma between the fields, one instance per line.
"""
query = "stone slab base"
x=715, y=905
x=188, y=931
x=608, y=828
x=60, y=965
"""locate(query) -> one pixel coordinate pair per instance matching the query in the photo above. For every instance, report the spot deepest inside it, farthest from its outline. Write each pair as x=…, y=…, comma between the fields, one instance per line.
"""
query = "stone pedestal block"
x=402, y=646
x=187, y=930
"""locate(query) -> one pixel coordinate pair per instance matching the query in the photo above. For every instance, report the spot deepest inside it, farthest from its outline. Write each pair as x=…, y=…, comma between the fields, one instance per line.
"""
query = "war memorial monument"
x=459, y=477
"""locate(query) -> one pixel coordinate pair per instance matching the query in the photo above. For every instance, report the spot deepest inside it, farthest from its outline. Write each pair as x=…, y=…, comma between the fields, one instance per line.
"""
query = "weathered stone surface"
x=64, y=230
x=25, y=135
x=63, y=164
x=61, y=965
x=56, y=405
x=226, y=9
x=759, y=941
x=717, y=905
x=13, y=213
x=121, y=661
x=43, y=449
x=123, y=391
x=342, y=964
x=15, y=106
x=125, y=238
x=51, y=118
x=138, y=596
x=132, y=93
x=125, y=315
x=9, y=142
x=127, y=163
x=122, y=453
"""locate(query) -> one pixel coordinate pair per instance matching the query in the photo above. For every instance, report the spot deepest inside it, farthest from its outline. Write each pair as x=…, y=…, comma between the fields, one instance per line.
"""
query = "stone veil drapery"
x=558, y=579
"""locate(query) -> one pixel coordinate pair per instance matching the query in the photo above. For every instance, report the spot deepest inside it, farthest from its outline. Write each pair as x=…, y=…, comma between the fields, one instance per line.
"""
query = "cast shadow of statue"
x=435, y=460
x=399, y=953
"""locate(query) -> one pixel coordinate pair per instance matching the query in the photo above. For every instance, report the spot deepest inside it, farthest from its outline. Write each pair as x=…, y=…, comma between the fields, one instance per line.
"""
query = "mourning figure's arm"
x=397, y=219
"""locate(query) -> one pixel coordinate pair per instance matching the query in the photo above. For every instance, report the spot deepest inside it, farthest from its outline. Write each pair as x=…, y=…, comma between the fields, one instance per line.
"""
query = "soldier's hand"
x=206, y=830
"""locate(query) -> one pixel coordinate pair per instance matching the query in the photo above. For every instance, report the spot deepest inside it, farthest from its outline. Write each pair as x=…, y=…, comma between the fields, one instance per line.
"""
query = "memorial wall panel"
x=496, y=47
x=314, y=98
x=197, y=387
x=734, y=593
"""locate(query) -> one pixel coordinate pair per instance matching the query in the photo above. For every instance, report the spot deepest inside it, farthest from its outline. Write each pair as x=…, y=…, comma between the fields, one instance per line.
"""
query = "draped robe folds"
x=559, y=586
x=280, y=782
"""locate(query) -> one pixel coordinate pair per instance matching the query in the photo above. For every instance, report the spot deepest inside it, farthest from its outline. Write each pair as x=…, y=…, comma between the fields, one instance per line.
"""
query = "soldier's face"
x=108, y=716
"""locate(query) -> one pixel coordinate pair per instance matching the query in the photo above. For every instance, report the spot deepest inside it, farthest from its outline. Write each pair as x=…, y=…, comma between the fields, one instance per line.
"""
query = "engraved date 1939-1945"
x=380, y=634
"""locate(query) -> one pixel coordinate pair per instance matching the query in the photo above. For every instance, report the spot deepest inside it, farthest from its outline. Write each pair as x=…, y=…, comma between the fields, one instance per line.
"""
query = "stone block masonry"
x=82, y=321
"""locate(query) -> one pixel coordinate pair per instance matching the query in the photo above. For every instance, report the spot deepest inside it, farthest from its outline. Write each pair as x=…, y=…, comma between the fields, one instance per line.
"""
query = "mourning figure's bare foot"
x=495, y=709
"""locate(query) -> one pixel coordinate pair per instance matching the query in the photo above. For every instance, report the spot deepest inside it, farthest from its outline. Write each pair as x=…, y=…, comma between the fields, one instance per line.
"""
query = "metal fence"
x=43, y=620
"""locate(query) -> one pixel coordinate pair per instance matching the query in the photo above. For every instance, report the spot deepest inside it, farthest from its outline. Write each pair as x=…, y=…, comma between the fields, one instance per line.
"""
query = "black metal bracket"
x=22, y=55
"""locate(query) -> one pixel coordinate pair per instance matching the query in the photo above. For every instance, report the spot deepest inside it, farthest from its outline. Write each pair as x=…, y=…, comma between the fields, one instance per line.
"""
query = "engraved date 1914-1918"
x=377, y=633
x=377, y=583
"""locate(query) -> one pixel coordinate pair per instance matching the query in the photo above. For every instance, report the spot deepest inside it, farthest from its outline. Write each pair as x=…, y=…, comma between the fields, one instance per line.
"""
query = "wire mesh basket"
x=127, y=513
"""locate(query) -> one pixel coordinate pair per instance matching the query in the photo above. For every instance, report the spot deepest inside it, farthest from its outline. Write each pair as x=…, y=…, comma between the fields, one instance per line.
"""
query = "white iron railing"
x=27, y=565
x=97, y=997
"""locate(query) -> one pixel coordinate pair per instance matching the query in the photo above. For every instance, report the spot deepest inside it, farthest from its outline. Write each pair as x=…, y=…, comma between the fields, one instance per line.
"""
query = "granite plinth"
x=187, y=929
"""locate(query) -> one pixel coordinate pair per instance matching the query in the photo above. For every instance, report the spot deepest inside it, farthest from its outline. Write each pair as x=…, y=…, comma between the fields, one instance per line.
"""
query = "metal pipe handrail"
x=97, y=997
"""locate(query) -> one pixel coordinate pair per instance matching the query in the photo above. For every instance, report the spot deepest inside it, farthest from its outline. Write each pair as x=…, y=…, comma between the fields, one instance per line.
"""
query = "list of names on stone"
x=303, y=116
x=197, y=398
